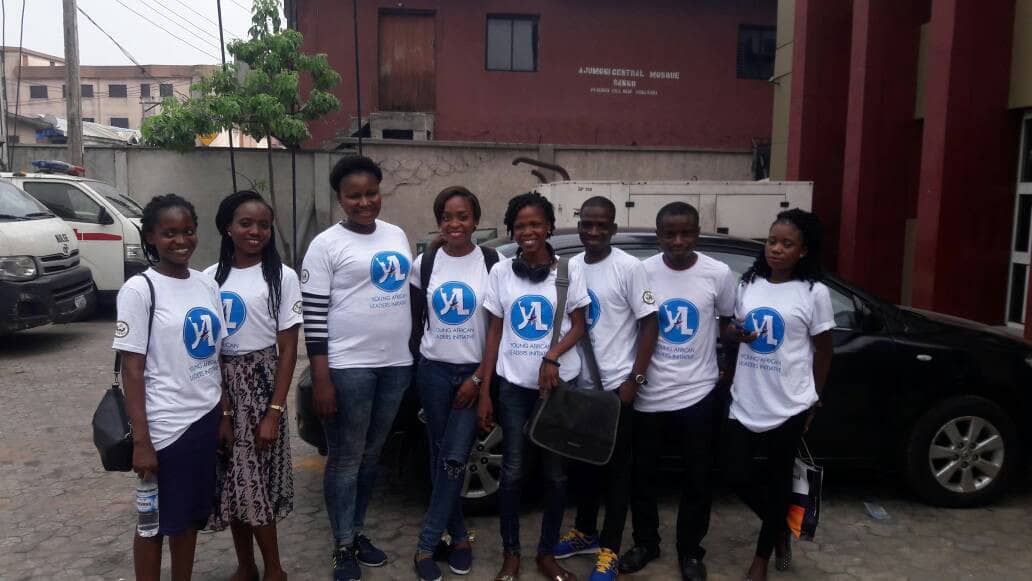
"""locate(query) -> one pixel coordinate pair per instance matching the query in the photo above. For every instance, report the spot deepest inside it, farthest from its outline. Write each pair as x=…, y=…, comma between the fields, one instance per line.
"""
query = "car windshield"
x=126, y=205
x=15, y=204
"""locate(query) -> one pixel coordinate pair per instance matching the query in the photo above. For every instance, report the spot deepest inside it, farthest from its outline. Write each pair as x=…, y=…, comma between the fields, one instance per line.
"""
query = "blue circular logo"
x=454, y=302
x=235, y=310
x=201, y=332
x=389, y=270
x=770, y=326
x=678, y=321
x=594, y=309
x=531, y=317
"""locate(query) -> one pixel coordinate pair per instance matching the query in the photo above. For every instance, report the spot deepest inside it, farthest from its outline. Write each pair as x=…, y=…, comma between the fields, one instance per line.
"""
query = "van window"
x=16, y=205
x=126, y=205
x=65, y=200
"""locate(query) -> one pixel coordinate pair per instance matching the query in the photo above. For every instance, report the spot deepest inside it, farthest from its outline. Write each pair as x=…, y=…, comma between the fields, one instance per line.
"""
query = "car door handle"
x=924, y=357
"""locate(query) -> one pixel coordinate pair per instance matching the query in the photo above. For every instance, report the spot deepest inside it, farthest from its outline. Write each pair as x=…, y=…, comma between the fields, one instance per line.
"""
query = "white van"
x=41, y=278
x=106, y=223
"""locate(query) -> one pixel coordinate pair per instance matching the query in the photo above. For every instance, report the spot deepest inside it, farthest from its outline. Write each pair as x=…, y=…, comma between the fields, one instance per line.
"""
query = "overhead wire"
x=168, y=32
x=213, y=23
x=211, y=38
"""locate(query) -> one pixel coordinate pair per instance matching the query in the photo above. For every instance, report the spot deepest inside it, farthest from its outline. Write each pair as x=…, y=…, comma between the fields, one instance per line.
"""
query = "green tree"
x=259, y=93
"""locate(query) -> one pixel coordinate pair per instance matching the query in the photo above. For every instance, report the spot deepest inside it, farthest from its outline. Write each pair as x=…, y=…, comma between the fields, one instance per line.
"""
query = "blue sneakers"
x=460, y=561
x=366, y=553
x=427, y=569
x=606, y=568
x=576, y=543
x=345, y=567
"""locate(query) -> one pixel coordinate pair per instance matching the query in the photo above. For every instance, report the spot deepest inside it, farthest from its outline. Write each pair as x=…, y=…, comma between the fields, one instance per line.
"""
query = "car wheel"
x=483, y=472
x=961, y=452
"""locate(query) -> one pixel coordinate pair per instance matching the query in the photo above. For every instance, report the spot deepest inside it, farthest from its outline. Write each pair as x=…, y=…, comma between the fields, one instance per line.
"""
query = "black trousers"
x=767, y=491
x=692, y=431
x=591, y=485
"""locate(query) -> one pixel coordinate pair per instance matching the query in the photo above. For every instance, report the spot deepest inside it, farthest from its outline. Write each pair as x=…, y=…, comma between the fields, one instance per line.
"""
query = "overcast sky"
x=193, y=21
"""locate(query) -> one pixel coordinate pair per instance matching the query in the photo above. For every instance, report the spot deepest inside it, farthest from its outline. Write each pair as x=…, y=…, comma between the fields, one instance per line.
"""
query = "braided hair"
x=272, y=266
x=809, y=266
x=527, y=200
x=151, y=215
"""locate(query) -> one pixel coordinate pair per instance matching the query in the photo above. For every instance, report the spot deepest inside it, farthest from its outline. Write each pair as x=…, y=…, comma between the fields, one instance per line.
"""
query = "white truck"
x=739, y=208
x=105, y=223
x=41, y=278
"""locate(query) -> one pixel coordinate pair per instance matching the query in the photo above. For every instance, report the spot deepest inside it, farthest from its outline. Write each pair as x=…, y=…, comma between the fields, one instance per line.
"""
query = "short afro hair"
x=676, y=209
x=526, y=200
x=451, y=192
x=353, y=164
x=600, y=202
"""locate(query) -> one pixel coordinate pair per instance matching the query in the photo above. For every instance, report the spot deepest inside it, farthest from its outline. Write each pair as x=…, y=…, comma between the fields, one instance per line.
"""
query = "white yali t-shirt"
x=684, y=365
x=527, y=310
x=774, y=376
x=181, y=378
x=619, y=290
x=245, y=307
x=363, y=279
x=458, y=324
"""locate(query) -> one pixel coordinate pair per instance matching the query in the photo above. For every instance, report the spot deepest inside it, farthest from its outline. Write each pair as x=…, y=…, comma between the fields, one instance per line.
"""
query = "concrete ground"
x=63, y=517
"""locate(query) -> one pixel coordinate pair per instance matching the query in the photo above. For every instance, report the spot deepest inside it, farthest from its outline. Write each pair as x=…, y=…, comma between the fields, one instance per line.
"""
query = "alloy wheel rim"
x=966, y=454
x=484, y=469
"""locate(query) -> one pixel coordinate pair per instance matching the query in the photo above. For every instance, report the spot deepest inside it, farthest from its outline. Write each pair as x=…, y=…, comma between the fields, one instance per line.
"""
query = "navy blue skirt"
x=186, y=477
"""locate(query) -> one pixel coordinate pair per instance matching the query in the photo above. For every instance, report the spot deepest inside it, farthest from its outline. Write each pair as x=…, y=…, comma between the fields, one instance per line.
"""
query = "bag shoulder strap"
x=490, y=257
x=562, y=286
x=150, y=323
x=589, y=354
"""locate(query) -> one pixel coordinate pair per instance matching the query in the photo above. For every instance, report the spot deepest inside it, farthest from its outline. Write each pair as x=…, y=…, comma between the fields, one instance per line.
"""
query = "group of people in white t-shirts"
x=209, y=356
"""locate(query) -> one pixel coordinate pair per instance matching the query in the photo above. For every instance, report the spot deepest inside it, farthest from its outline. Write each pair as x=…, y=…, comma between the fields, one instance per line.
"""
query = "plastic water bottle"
x=147, y=508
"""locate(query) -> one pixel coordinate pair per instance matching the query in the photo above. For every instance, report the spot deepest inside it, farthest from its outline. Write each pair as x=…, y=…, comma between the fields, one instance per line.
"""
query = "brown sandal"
x=549, y=567
x=510, y=570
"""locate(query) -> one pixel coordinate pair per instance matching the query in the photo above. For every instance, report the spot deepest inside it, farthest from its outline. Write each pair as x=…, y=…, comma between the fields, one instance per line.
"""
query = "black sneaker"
x=345, y=567
x=636, y=559
x=693, y=569
x=427, y=569
x=366, y=553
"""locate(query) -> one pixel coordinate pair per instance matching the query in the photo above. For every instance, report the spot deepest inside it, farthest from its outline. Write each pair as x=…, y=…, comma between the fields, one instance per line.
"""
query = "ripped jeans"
x=451, y=432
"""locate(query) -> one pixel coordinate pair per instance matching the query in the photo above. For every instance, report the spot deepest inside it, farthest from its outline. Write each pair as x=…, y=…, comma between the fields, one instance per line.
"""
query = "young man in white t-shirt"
x=622, y=326
x=680, y=402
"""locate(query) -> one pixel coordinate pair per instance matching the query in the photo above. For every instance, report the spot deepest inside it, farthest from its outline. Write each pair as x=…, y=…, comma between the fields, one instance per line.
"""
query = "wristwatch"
x=639, y=378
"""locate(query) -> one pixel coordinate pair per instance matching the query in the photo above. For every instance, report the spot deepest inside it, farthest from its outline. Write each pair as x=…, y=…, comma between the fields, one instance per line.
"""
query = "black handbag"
x=575, y=422
x=112, y=430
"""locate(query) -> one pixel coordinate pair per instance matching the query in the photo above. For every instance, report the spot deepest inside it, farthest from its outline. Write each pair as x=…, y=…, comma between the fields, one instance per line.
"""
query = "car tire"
x=961, y=452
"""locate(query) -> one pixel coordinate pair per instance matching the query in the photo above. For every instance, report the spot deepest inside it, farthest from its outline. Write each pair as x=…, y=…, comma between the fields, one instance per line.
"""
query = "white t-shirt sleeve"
x=415, y=273
x=727, y=289
x=290, y=300
x=639, y=291
x=131, y=330
x=317, y=270
x=577, y=294
x=493, y=297
x=216, y=298
x=823, y=316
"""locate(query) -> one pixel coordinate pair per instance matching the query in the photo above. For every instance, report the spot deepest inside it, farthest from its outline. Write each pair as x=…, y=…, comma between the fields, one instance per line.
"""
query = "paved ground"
x=63, y=517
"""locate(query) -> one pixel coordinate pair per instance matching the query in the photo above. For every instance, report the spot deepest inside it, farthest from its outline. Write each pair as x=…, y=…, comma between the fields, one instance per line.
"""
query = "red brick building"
x=690, y=73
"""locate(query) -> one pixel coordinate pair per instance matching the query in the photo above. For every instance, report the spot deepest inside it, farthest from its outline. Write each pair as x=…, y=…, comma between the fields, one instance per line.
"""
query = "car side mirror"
x=104, y=217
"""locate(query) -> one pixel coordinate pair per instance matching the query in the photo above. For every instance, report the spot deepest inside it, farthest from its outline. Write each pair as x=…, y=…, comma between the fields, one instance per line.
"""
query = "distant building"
x=689, y=73
x=119, y=96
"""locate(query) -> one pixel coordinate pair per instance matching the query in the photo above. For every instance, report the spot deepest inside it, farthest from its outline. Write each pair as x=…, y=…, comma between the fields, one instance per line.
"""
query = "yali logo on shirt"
x=454, y=303
x=235, y=311
x=770, y=327
x=594, y=309
x=531, y=317
x=678, y=321
x=201, y=332
x=389, y=270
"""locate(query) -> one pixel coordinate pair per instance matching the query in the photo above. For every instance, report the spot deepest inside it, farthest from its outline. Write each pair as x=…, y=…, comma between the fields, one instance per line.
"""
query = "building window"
x=512, y=43
x=122, y=122
x=165, y=90
x=88, y=120
x=117, y=91
x=37, y=91
x=64, y=91
x=13, y=139
x=87, y=91
x=145, y=89
x=756, y=47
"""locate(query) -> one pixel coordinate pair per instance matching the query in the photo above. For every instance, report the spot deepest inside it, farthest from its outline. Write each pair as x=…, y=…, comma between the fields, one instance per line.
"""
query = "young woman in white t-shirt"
x=261, y=301
x=784, y=320
x=521, y=299
x=355, y=291
x=170, y=369
x=449, y=316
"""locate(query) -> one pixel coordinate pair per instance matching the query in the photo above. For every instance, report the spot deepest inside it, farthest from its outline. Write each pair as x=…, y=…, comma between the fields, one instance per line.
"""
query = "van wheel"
x=961, y=452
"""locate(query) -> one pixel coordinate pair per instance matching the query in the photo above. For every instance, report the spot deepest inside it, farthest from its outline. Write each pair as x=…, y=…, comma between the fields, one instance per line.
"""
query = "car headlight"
x=134, y=253
x=18, y=268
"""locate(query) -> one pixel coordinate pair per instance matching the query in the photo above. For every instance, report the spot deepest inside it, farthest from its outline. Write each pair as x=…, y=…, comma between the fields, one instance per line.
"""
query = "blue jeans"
x=515, y=405
x=450, y=432
x=367, y=401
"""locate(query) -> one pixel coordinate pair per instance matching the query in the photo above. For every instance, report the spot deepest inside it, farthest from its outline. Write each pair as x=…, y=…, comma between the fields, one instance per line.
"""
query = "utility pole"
x=73, y=131
x=5, y=160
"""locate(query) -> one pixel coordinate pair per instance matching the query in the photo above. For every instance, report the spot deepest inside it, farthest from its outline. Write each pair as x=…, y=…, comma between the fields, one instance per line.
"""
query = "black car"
x=940, y=397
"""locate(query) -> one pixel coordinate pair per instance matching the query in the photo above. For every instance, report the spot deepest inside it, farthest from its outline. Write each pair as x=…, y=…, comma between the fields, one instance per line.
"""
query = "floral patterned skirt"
x=253, y=488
